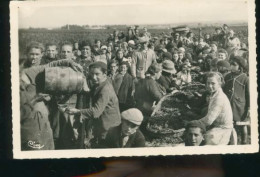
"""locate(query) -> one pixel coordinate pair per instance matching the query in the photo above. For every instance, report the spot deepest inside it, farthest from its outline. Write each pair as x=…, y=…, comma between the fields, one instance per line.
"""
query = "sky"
x=49, y=14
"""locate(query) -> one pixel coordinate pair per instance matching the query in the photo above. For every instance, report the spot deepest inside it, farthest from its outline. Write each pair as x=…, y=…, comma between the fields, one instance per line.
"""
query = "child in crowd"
x=237, y=89
x=223, y=67
x=113, y=69
x=184, y=76
x=124, y=86
x=222, y=54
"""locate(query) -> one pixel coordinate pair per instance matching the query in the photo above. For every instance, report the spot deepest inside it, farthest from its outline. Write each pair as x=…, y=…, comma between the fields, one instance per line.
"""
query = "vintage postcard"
x=133, y=78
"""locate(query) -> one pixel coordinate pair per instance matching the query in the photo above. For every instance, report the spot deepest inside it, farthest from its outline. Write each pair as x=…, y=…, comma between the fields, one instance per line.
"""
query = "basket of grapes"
x=169, y=115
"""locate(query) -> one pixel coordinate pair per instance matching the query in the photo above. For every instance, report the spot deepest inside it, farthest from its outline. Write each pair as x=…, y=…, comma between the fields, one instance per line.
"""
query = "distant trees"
x=72, y=27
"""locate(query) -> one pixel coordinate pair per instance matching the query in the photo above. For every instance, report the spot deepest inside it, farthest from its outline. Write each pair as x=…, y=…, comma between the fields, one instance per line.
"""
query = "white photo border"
x=151, y=151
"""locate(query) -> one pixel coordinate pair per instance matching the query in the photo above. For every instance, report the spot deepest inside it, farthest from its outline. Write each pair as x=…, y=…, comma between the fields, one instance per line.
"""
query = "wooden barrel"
x=63, y=80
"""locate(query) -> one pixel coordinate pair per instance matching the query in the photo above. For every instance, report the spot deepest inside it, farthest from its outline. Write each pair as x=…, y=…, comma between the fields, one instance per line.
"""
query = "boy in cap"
x=223, y=67
x=127, y=134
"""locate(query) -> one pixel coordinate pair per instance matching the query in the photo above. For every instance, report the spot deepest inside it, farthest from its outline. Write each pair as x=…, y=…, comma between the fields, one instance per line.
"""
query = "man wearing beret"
x=104, y=108
x=127, y=134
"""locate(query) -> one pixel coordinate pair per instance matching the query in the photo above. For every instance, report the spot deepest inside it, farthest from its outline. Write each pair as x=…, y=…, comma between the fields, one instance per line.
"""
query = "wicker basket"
x=163, y=132
x=166, y=131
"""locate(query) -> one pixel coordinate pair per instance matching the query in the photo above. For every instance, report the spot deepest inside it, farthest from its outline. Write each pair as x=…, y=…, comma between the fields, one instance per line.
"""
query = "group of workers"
x=125, y=77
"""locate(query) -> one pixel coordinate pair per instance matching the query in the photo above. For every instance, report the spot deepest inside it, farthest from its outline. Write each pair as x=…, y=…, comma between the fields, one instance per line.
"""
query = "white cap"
x=103, y=47
x=133, y=115
x=131, y=42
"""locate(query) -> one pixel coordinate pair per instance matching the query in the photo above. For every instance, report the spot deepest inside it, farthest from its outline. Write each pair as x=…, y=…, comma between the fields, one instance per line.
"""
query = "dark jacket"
x=237, y=89
x=123, y=86
x=46, y=60
x=104, y=107
x=115, y=140
x=147, y=91
x=166, y=82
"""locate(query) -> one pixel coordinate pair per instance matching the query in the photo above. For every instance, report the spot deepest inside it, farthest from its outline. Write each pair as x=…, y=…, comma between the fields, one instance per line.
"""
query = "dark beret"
x=223, y=63
x=240, y=61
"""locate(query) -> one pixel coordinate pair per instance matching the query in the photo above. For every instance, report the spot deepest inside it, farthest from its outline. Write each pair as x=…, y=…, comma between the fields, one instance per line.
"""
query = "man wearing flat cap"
x=104, y=107
x=127, y=134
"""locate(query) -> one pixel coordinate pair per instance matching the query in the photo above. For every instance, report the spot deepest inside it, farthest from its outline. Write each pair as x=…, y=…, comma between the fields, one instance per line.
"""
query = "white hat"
x=103, y=47
x=131, y=42
x=133, y=115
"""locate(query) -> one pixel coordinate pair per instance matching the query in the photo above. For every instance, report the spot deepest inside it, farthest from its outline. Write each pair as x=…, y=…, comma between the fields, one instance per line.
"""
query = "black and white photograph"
x=133, y=78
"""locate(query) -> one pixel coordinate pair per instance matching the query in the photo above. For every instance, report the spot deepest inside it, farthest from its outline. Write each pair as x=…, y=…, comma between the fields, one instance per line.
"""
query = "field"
x=58, y=36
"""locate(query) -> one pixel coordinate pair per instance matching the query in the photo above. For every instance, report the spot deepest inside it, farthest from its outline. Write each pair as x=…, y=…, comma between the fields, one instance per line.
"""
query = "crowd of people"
x=125, y=77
